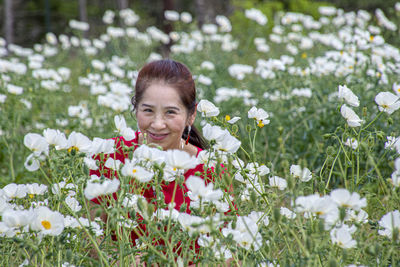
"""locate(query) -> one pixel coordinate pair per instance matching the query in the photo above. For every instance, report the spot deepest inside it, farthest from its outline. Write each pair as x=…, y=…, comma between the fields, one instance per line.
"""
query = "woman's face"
x=162, y=116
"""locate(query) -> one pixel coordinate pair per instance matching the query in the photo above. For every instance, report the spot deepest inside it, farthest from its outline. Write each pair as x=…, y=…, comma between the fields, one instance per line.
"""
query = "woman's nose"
x=158, y=123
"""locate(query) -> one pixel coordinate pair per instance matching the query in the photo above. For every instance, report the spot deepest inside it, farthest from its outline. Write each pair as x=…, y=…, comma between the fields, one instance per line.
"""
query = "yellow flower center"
x=371, y=38
x=31, y=195
x=341, y=52
x=260, y=124
x=398, y=89
x=46, y=225
x=385, y=106
x=227, y=118
x=134, y=171
x=174, y=169
x=304, y=55
x=73, y=148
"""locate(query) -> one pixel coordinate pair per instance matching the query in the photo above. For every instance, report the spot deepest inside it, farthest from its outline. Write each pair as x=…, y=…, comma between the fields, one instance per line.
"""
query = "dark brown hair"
x=178, y=76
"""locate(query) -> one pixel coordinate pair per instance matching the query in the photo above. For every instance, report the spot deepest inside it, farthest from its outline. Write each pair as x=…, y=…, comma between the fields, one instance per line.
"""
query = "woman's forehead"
x=161, y=94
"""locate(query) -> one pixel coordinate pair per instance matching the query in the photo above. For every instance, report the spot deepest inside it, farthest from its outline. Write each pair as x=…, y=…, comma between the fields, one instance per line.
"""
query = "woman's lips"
x=157, y=137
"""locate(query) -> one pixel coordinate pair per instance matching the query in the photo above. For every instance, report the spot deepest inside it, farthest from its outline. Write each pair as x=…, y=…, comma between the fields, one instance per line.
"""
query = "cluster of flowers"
x=386, y=101
x=38, y=220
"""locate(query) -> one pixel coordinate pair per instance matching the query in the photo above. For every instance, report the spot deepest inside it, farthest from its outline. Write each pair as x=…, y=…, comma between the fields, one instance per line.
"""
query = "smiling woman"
x=165, y=108
x=165, y=105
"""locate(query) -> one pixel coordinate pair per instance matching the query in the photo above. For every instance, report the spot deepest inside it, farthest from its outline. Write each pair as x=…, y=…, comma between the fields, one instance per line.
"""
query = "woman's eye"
x=147, y=110
x=171, y=112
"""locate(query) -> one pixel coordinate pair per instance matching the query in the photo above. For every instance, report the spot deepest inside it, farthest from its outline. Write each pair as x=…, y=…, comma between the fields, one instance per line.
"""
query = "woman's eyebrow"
x=167, y=107
x=146, y=105
x=172, y=107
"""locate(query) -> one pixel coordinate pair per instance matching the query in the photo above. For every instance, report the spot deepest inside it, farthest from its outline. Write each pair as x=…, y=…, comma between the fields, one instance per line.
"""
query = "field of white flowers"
x=301, y=111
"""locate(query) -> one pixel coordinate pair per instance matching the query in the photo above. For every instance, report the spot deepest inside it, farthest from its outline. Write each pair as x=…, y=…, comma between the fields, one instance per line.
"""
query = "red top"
x=181, y=195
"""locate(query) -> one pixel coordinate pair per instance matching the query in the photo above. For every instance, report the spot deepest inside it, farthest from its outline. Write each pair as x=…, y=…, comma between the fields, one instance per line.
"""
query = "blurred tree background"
x=25, y=22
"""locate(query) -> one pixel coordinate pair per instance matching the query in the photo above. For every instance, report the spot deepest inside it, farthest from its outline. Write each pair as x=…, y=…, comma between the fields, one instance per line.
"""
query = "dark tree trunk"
x=9, y=21
x=123, y=4
x=200, y=12
x=83, y=14
x=167, y=25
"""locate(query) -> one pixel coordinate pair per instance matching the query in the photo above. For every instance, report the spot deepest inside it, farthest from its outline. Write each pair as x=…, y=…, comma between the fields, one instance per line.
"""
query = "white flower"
x=207, y=108
x=204, y=80
x=392, y=142
x=36, y=143
x=287, y=213
x=395, y=178
x=258, y=217
x=207, y=65
x=238, y=71
x=3, y=98
x=56, y=138
x=342, y=236
x=245, y=234
x=344, y=198
x=387, y=102
x=304, y=174
x=13, y=89
x=171, y=15
x=95, y=188
x=256, y=15
x=213, y=132
x=90, y=163
x=16, y=218
x=32, y=162
x=79, y=142
x=276, y=181
x=346, y=94
x=224, y=23
x=100, y=145
x=125, y=131
x=232, y=120
x=79, y=25
x=180, y=160
x=260, y=115
x=209, y=29
x=73, y=204
x=48, y=222
x=227, y=143
x=198, y=189
x=351, y=142
x=351, y=117
x=35, y=189
x=389, y=222
x=113, y=163
x=14, y=191
x=186, y=17
x=148, y=154
x=138, y=172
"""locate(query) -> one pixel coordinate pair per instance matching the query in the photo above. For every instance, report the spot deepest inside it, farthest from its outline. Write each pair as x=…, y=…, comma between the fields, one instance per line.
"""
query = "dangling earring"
x=188, y=134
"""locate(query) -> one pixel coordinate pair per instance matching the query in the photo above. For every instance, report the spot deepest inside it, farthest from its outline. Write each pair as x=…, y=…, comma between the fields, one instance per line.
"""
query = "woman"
x=165, y=108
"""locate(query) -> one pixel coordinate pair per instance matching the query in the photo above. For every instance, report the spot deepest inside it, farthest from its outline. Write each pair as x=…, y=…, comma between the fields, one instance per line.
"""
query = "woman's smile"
x=157, y=137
